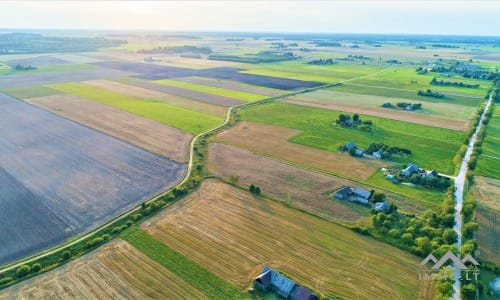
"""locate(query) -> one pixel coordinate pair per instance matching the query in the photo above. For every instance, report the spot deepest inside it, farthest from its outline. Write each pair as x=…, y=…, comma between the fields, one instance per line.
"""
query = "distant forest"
x=14, y=43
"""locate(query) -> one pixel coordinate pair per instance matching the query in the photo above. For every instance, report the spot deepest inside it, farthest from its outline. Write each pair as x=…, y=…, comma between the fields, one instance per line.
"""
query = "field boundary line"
x=490, y=156
x=186, y=175
x=408, y=90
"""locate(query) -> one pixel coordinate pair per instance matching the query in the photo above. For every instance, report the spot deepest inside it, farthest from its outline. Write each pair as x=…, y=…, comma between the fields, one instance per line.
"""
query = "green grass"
x=432, y=148
x=488, y=166
x=402, y=77
x=446, y=110
x=244, y=96
x=385, y=92
x=211, y=285
x=27, y=92
x=188, y=120
x=302, y=71
x=429, y=197
x=42, y=69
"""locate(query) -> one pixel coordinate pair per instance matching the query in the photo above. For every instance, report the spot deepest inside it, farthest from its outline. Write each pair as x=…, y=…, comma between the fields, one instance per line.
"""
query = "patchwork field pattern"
x=295, y=186
x=273, y=141
x=234, y=234
x=82, y=176
x=431, y=147
x=150, y=135
x=187, y=120
x=134, y=91
x=115, y=271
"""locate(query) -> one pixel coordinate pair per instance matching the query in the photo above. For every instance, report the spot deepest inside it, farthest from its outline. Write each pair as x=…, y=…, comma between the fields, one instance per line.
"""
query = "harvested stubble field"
x=190, y=94
x=187, y=120
x=273, y=141
x=83, y=176
x=234, y=234
x=488, y=232
x=218, y=91
x=486, y=192
x=232, y=85
x=450, y=116
x=431, y=147
x=295, y=186
x=59, y=76
x=145, y=133
x=135, y=91
x=115, y=271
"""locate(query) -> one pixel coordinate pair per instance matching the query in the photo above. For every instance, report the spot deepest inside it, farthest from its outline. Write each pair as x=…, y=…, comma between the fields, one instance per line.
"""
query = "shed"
x=270, y=279
x=494, y=286
x=409, y=170
x=381, y=206
x=350, y=145
x=361, y=195
x=263, y=281
x=359, y=152
x=302, y=293
x=343, y=193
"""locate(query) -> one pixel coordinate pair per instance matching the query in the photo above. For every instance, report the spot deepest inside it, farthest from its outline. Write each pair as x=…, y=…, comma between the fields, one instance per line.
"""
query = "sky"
x=427, y=17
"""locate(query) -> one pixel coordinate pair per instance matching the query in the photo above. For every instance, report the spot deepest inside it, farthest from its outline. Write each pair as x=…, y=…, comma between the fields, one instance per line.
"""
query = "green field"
x=432, y=148
x=404, y=94
x=211, y=285
x=6, y=70
x=244, y=96
x=490, y=165
x=302, y=71
x=407, y=78
x=446, y=110
x=27, y=92
x=188, y=120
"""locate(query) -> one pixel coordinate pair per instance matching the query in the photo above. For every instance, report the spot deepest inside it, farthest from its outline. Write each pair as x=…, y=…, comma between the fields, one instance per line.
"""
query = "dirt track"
x=273, y=141
x=399, y=115
x=147, y=134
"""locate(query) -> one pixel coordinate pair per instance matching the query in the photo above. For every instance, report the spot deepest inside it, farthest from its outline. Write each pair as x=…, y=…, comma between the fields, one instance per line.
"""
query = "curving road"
x=459, y=192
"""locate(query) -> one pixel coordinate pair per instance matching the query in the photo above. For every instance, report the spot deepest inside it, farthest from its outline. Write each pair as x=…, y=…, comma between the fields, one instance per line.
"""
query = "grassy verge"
x=207, y=282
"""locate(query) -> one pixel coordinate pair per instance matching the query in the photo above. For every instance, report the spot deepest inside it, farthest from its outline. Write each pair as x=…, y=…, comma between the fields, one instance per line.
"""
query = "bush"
x=66, y=255
x=23, y=271
x=5, y=280
x=36, y=267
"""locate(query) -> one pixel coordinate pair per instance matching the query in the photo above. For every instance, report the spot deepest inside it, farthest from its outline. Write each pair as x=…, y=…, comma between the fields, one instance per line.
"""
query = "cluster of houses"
x=359, y=195
x=271, y=280
x=392, y=174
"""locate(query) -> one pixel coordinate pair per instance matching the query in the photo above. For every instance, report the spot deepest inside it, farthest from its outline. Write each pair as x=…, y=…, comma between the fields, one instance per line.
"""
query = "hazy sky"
x=433, y=17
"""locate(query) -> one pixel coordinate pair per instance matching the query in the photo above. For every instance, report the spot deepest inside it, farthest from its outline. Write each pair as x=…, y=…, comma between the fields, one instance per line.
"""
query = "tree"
x=468, y=291
x=469, y=229
x=36, y=267
x=355, y=117
x=423, y=245
x=445, y=288
x=352, y=151
x=252, y=188
x=257, y=190
x=378, y=197
x=407, y=238
x=450, y=236
x=23, y=271
x=234, y=179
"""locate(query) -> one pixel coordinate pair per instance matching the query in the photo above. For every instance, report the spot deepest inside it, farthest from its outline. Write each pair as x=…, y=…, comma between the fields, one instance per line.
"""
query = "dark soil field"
x=205, y=97
x=82, y=176
x=62, y=76
x=148, y=71
x=231, y=86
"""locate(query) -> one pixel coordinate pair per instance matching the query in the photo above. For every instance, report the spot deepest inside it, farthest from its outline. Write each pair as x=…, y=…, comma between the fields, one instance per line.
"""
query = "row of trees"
x=430, y=93
x=441, y=82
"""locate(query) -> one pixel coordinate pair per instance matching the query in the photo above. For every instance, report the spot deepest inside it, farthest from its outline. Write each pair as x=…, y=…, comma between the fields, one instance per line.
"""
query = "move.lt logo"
x=437, y=272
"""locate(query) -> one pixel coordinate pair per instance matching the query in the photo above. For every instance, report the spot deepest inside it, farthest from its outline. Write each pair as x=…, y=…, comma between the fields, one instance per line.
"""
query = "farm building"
x=348, y=146
x=353, y=194
x=409, y=170
x=378, y=154
x=271, y=280
x=494, y=286
x=431, y=174
x=387, y=104
x=381, y=206
x=359, y=152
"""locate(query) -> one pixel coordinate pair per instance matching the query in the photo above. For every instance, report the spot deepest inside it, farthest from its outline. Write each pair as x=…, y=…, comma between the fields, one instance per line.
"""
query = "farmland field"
x=117, y=270
x=301, y=71
x=432, y=148
x=273, y=141
x=187, y=120
x=30, y=91
x=239, y=95
x=81, y=176
x=295, y=186
x=234, y=234
x=134, y=91
x=145, y=133
x=488, y=163
x=487, y=234
x=487, y=192
x=407, y=78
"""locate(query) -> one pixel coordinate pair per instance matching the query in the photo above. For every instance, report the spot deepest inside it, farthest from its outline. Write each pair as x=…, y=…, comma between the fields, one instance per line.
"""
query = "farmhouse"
x=410, y=169
x=271, y=280
x=378, y=154
x=381, y=206
x=353, y=194
x=348, y=146
x=431, y=174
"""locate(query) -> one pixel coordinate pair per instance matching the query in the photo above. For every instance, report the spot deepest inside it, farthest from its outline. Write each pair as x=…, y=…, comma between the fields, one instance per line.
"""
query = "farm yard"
x=274, y=141
x=232, y=234
x=116, y=270
x=431, y=147
x=50, y=159
x=295, y=186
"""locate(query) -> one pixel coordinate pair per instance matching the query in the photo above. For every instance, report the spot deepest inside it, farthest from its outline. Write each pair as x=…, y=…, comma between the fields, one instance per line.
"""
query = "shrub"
x=5, y=280
x=23, y=271
x=36, y=267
